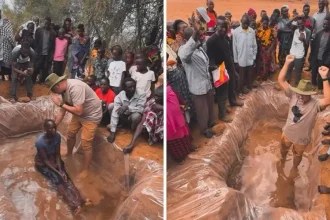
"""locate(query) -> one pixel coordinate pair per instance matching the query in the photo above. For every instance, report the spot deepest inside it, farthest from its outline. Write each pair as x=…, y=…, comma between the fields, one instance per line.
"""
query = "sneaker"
x=208, y=134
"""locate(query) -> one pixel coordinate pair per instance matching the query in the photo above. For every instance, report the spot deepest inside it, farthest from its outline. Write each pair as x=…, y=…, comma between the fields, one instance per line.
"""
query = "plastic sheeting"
x=199, y=188
x=25, y=194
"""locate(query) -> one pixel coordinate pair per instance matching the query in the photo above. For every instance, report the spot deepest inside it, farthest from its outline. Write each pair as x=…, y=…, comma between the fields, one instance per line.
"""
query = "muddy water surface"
x=35, y=198
x=262, y=178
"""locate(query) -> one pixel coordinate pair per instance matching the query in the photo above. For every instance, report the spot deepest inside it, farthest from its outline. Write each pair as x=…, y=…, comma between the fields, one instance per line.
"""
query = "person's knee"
x=298, y=151
x=111, y=107
x=71, y=135
x=136, y=118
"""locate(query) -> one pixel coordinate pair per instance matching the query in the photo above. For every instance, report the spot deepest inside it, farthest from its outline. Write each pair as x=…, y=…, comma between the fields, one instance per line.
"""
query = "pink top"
x=176, y=124
x=61, y=47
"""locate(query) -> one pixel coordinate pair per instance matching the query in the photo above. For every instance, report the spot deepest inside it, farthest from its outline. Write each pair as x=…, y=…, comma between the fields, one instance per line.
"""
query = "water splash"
x=126, y=162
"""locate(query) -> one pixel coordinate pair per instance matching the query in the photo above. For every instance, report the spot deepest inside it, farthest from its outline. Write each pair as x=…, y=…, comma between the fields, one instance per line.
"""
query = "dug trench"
x=238, y=175
x=26, y=194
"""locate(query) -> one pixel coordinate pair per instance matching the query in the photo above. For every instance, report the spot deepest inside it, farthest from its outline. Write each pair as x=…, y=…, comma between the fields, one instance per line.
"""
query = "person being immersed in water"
x=86, y=109
x=303, y=110
x=49, y=163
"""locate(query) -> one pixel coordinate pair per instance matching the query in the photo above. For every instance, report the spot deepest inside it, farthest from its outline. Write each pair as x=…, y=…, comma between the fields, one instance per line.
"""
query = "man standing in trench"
x=86, y=109
x=302, y=112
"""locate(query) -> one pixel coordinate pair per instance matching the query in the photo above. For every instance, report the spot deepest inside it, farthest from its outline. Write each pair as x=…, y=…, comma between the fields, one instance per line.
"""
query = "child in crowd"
x=116, y=70
x=145, y=78
x=129, y=63
x=61, y=53
x=107, y=96
x=91, y=81
x=100, y=65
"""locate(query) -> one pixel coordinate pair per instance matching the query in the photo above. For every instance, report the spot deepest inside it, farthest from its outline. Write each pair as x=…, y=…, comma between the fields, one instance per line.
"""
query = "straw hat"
x=305, y=87
x=53, y=79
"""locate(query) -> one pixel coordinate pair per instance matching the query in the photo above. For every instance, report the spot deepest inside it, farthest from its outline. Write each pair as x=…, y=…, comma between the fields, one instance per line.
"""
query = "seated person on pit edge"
x=106, y=95
x=303, y=111
x=49, y=163
x=91, y=81
x=127, y=108
x=152, y=121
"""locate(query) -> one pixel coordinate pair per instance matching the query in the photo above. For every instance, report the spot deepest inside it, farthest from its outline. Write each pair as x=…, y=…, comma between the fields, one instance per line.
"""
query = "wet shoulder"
x=40, y=142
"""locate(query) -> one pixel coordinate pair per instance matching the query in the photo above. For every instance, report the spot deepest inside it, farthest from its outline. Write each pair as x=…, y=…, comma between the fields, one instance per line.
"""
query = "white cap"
x=202, y=11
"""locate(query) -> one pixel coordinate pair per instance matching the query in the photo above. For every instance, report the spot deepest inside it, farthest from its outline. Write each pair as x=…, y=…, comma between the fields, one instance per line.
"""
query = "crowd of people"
x=95, y=85
x=212, y=58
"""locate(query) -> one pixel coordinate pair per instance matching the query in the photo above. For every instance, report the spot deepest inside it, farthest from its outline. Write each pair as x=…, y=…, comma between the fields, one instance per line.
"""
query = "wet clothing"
x=300, y=132
x=66, y=189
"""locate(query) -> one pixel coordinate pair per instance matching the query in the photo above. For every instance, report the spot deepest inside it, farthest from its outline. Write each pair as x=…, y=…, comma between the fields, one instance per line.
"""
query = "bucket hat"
x=305, y=87
x=52, y=80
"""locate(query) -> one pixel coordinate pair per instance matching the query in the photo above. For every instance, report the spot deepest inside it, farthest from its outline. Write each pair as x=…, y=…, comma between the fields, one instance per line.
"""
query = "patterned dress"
x=154, y=122
x=7, y=43
x=266, y=45
x=100, y=68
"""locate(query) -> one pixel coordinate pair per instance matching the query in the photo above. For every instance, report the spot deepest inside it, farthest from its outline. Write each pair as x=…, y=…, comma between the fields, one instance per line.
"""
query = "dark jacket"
x=315, y=50
x=38, y=42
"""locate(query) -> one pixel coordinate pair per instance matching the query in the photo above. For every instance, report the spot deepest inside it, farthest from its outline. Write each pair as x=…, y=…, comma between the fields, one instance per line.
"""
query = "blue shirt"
x=49, y=147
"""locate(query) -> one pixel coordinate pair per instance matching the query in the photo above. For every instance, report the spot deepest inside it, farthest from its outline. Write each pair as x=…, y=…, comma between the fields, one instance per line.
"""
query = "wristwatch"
x=325, y=79
x=61, y=104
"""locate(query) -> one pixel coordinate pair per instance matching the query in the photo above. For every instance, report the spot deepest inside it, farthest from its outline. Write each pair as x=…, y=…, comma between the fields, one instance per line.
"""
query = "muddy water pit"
x=239, y=175
x=26, y=194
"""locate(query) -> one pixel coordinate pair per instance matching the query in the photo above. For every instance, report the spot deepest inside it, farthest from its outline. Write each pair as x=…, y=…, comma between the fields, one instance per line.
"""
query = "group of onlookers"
x=213, y=58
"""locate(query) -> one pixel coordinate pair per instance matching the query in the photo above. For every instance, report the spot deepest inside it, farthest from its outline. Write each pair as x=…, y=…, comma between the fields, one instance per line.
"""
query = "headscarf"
x=25, y=27
x=252, y=12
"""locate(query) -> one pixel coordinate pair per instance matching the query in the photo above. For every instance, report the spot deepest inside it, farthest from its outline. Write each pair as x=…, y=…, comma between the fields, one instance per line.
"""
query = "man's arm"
x=59, y=116
x=185, y=51
x=255, y=47
x=78, y=99
x=114, y=115
x=281, y=77
x=235, y=53
x=325, y=102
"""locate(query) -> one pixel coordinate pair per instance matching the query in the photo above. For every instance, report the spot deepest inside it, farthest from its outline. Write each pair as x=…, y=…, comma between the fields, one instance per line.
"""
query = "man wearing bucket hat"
x=302, y=112
x=86, y=109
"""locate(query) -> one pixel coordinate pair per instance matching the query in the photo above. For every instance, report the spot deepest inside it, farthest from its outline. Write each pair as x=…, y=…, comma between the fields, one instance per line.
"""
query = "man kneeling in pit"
x=302, y=112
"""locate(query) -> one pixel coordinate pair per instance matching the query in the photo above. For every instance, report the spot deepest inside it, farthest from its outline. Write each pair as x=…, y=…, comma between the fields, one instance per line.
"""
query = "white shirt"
x=116, y=69
x=297, y=47
x=143, y=82
x=319, y=18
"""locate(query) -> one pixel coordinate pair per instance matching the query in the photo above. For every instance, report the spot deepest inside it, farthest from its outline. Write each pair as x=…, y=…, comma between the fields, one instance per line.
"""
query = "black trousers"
x=41, y=66
x=316, y=78
x=232, y=88
x=58, y=67
x=221, y=94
